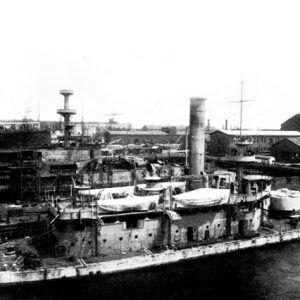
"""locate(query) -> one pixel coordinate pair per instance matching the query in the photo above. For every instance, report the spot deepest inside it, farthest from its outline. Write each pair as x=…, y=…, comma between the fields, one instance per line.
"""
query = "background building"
x=25, y=139
x=292, y=123
x=141, y=137
x=261, y=141
x=287, y=150
x=89, y=128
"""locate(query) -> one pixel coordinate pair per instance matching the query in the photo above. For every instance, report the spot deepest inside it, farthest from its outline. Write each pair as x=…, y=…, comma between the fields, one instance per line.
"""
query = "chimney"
x=208, y=125
x=226, y=124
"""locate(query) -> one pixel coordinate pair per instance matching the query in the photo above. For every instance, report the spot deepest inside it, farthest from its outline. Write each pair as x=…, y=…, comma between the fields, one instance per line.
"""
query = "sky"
x=145, y=59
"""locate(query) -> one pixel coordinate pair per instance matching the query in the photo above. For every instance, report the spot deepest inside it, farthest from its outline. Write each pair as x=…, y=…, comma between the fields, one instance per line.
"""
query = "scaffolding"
x=28, y=171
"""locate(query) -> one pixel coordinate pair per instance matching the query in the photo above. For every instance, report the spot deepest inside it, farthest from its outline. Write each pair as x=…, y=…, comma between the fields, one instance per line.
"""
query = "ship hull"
x=10, y=278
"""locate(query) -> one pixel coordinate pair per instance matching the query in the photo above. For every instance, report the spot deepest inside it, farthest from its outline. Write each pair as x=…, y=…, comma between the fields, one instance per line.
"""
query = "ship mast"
x=82, y=121
x=241, y=112
x=241, y=101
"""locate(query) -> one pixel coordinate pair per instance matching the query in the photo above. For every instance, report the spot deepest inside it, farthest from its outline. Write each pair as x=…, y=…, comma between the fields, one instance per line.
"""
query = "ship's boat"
x=108, y=193
x=154, y=187
x=129, y=204
x=93, y=202
x=204, y=197
x=285, y=200
x=144, y=189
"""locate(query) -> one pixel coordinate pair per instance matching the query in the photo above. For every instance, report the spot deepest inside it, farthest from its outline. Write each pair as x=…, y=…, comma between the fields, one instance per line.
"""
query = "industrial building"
x=86, y=128
x=260, y=141
x=143, y=136
x=25, y=139
x=287, y=150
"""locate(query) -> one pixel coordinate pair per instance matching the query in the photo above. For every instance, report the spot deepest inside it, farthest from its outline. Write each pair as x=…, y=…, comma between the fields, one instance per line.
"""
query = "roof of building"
x=295, y=140
x=260, y=133
x=138, y=132
x=291, y=123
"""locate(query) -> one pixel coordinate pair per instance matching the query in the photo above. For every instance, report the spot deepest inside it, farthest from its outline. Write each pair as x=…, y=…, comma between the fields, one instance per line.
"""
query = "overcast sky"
x=144, y=59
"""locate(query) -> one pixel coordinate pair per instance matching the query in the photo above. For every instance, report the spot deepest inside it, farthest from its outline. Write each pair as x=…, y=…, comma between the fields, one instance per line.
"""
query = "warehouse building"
x=142, y=137
x=287, y=150
x=261, y=141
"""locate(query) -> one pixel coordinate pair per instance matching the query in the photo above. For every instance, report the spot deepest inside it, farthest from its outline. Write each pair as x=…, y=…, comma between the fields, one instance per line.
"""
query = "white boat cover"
x=124, y=191
x=164, y=185
x=130, y=203
x=285, y=193
x=106, y=193
x=202, y=197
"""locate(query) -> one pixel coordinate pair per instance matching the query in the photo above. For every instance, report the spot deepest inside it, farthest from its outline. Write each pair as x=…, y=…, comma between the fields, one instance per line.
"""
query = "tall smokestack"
x=197, y=135
x=226, y=124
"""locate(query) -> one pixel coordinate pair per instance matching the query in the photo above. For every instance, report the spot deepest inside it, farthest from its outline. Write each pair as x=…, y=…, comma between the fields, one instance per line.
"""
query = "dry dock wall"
x=118, y=177
x=25, y=139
